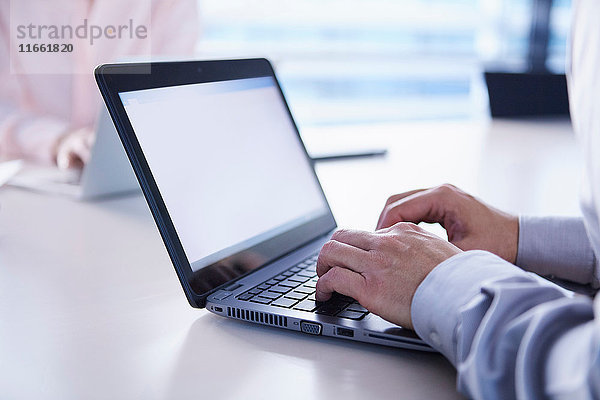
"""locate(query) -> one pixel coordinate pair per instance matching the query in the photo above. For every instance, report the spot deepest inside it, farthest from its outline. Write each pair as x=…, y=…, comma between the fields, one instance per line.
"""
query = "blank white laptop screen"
x=227, y=161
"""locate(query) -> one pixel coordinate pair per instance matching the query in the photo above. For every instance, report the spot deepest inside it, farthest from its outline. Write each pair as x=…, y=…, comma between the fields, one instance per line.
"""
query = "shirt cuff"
x=451, y=285
x=556, y=247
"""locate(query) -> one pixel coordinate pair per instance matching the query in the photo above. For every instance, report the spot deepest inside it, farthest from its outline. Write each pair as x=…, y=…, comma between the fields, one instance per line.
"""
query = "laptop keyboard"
x=295, y=289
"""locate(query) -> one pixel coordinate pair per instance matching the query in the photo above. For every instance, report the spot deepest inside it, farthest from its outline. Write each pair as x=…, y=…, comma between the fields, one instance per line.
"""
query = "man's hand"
x=381, y=270
x=470, y=223
x=74, y=148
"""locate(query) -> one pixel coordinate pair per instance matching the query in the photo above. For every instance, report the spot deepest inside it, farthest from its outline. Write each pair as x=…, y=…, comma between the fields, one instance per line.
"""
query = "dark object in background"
x=348, y=155
x=536, y=91
x=527, y=94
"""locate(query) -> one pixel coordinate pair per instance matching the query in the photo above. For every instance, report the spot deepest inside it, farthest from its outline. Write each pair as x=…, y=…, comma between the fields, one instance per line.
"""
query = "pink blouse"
x=36, y=108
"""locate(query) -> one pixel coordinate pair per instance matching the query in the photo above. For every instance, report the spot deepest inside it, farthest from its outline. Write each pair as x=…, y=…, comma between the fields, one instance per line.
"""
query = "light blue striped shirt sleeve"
x=557, y=247
x=509, y=333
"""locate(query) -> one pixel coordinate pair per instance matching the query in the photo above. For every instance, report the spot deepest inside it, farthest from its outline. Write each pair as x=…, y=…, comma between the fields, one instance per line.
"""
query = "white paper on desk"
x=8, y=169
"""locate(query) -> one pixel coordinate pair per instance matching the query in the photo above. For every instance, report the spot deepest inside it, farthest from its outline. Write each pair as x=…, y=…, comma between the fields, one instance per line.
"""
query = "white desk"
x=90, y=307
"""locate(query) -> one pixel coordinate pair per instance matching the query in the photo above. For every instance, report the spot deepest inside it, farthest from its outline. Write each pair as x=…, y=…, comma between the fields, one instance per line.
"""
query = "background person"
x=508, y=332
x=49, y=118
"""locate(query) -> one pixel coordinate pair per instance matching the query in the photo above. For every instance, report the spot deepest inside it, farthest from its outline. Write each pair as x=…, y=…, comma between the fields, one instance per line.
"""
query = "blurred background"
x=355, y=62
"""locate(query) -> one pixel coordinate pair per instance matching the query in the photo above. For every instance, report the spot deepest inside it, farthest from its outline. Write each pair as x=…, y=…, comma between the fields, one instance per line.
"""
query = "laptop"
x=108, y=173
x=234, y=194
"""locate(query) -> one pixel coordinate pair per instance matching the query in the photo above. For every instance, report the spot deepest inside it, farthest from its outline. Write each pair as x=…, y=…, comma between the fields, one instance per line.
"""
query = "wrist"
x=512, y=239
x=57, y=144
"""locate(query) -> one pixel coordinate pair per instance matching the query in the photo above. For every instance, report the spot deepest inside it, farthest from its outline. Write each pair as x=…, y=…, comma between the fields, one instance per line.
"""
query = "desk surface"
x=90, y=306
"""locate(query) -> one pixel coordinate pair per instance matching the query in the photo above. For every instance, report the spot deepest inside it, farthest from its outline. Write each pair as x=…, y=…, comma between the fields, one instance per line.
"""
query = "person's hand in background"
x=470, y=223
x=74, y=148
x=381, y=270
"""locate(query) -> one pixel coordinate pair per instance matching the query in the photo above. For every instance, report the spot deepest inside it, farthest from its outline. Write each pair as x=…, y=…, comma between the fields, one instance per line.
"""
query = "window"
x=350, y=61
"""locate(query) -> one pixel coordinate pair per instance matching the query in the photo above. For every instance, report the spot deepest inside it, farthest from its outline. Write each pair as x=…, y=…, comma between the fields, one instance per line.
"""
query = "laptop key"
x=303, y=289
x=351, y=314
x=245, y=296
x=296, y=295
x=312, y=297
x=356, y=307
x=343, y=298
x=272, y=282
x=261, y=300
x=270, y=295
x=287, y=273
x=306, y=305
x=311, y=284
x=329, y=308
x=280, y=278
x=298, y=278
x=262, y=286
x=290, y=283
x=254, y=291
x=284, y=302
x=306, y=274
x=280, y=289
x=295, y=269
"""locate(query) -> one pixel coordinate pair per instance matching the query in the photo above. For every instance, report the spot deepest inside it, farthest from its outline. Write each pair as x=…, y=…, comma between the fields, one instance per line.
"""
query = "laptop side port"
x=344, y=332
x=312, y=328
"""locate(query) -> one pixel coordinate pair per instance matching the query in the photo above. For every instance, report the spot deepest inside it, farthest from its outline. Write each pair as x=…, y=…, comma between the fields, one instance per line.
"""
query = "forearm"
x=501, y=328
x=29, y=136
x=556, y=247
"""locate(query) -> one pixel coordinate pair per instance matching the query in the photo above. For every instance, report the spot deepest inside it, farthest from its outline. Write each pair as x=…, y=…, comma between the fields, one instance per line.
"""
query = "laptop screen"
x=228, y=163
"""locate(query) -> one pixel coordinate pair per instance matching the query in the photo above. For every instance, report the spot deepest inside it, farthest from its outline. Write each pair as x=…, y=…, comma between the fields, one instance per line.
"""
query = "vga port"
x=312, y=328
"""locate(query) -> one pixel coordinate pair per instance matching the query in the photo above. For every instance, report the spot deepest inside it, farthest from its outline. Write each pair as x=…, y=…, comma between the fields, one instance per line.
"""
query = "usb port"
x=344, y=332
